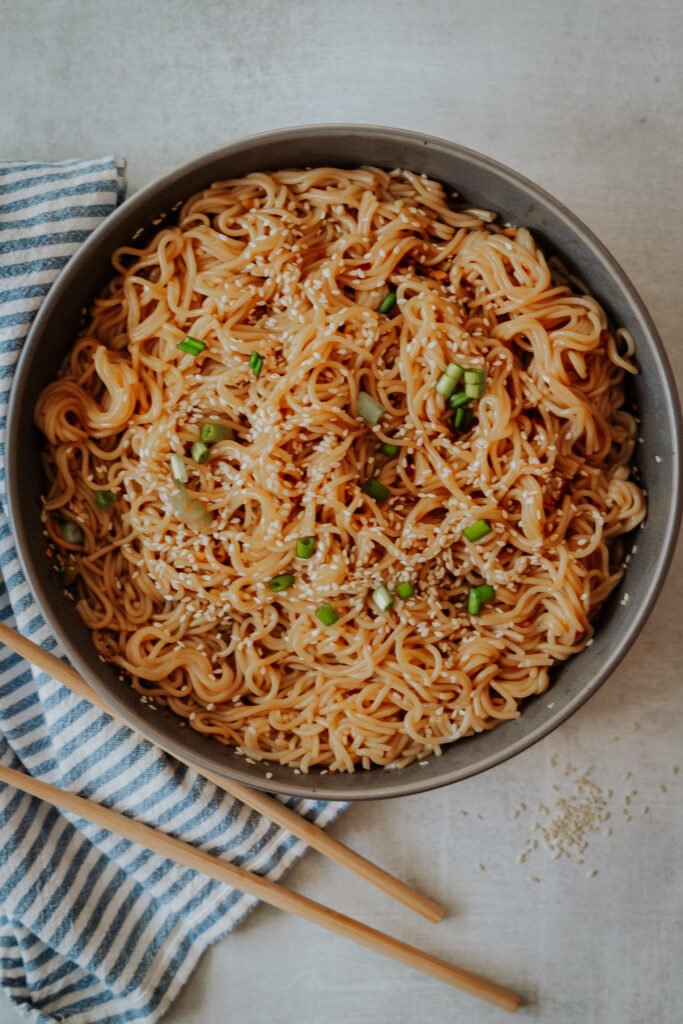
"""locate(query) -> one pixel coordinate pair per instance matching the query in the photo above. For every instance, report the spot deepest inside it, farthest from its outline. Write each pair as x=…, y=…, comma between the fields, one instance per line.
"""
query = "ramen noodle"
x=338, y=467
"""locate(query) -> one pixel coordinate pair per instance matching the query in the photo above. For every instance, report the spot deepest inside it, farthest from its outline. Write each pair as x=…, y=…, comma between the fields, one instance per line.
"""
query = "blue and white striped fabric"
x=93, y=928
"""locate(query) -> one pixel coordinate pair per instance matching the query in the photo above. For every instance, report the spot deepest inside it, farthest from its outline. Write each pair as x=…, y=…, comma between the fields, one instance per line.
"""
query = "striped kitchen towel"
x=93, y=928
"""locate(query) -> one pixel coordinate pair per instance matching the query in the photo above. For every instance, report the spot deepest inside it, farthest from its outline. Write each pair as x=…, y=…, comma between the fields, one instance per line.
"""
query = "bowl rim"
x=389, y=784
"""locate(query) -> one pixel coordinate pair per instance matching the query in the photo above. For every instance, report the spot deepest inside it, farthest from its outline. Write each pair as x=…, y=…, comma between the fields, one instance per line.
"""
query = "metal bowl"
x=484, y=183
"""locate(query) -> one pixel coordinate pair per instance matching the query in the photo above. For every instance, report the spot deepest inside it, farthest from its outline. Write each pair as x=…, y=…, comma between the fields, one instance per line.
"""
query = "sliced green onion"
x=212, y=433
x=281, y=582
x=405, y=590
x=476, y=597
x=477, y=530
x=476, y=390
x=181, y=490
x=326, y=614
x=178, y=468
x=462, y=419
x=71, y=532
x=369, y=408
x=180, y=500
x=200, y=452
x=382, y=598
x=446, y=385
x=197, y=516
x=475, y=375
x=305, y=546
x=388, y=303
x=191, y=345
x=256, y=363
x=389, y=449
x=375, y=489
x=454, y=371
x=105, y=499
x=193, y=513
x=458, y=399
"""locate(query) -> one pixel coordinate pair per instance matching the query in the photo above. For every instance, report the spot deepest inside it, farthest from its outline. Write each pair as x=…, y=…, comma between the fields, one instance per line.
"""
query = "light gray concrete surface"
x=586, y=98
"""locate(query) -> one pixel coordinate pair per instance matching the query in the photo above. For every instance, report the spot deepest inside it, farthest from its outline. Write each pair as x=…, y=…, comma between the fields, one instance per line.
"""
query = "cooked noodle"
x=294, y=266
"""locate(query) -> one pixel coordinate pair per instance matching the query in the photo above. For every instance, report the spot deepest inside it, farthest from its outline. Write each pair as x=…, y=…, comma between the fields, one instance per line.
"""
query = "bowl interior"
x=483, y=183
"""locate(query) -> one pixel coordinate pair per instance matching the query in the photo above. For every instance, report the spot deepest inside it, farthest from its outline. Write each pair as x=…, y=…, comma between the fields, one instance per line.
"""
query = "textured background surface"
x=587, y=100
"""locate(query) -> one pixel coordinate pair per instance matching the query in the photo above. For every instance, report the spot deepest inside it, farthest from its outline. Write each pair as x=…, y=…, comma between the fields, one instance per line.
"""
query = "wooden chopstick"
x=272, y=809
x=263, y=889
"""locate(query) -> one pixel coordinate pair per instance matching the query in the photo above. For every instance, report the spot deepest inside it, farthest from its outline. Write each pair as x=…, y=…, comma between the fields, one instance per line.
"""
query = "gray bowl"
x=484, y=183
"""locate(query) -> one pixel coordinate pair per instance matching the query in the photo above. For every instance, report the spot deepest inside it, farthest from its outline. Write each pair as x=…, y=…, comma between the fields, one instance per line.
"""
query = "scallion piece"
x=305, y=546
x=180, y=500
x=197, y=516
x=200, y=452
x=193, y=513
x=454, y=371
x=405, y=590
x=458, y=399
x=105, y=499
x=387, y=303
x=327, y=615
x=463, y=419
x=382, y=598
x=369, y=408
x=476, y=597
x=178, y=468
x=71, y=532
x=446, y=385
x=256, y=363
x=475, y=382
x=281, y=582
x=477, y=530
x=375, y=489
x=389, y=449
x=212, y=433
x=181, y=494
x=191, y=345
x=476, y=390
